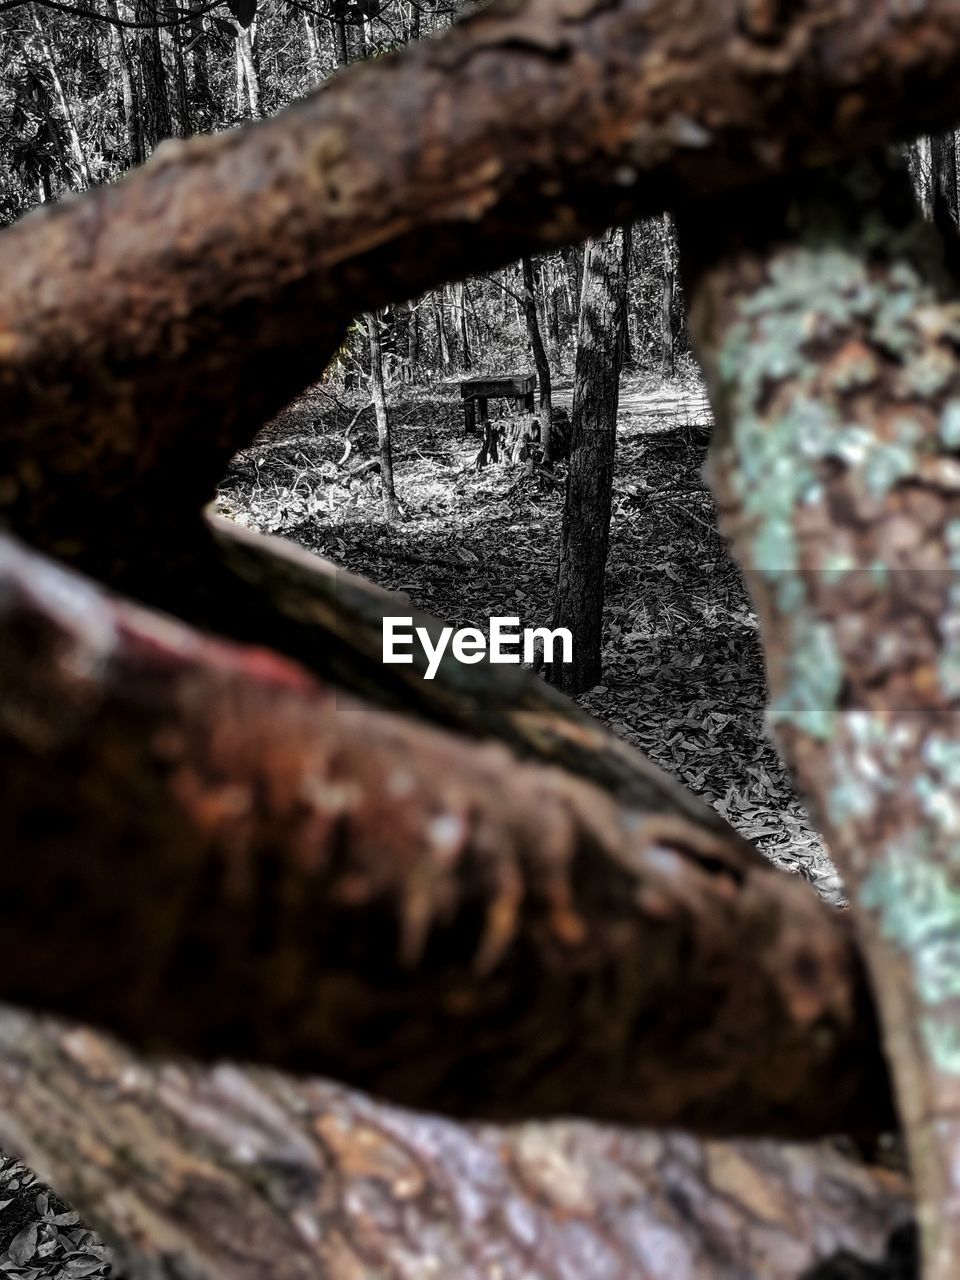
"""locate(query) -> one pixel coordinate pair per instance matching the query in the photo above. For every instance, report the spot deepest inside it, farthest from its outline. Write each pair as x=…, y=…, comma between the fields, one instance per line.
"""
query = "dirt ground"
x=683, y=672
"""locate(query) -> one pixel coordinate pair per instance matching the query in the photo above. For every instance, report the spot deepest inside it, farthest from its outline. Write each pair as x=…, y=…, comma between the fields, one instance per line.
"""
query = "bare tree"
x=585, y=534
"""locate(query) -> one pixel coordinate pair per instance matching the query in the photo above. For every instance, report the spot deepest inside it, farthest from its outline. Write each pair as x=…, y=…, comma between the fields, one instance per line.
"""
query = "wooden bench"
x=476, y=392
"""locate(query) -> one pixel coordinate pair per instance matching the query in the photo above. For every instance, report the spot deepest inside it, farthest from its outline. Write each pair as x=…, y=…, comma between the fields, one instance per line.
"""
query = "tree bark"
x=946, y=198
x=826, y=322
x=80, y=165
x=578, y=603
x=135, y=152
x=413, y=340
x=668, y=364
x=539, y=357
x=379, y=398
x=158, y=357
x=288, y=875
x=251, y=75
x=153, y=101
x=466, y=361
x=224, y=1174
x=443, y=342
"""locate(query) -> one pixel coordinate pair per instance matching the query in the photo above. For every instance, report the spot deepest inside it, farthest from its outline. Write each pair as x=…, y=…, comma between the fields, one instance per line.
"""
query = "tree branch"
x=111, y=21
x=154, y=325
x=284, y=874
x=228, y=1175
x=828, y=324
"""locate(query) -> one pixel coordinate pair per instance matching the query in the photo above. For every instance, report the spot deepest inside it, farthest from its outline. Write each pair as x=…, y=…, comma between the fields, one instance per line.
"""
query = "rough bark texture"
x=825, y=320
x=169, y=316
x=287, y=875
x=153, y=102
x=225, y=1174
x=586, y=508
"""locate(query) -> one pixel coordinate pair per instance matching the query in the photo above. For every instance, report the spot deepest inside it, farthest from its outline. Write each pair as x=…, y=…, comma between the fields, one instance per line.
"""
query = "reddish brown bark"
x=830, y=330
x=149, y=329
x=209, y=851
x=228, y=1175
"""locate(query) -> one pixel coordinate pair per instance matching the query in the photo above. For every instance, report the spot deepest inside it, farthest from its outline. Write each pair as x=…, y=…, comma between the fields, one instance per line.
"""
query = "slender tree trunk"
x=586, y=511
x=153, y=100
x=251, y=76
x=184, y=128
x=552, y=292
x=202, y=96
x=443, y=341
x=313, y=48
x=80, y=166
x=413, y=21
x=128, y=91
x=466, y=361
x=667, y=354
x=341, y=49
x=378, y=395
x=413, y=340
x=52, y=130
x=539, y=357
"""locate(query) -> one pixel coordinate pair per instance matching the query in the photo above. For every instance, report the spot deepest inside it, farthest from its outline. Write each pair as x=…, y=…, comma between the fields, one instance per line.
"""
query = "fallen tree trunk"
x=211, y=852
x=148, y=329
x=829, y=327
x=219, y=1174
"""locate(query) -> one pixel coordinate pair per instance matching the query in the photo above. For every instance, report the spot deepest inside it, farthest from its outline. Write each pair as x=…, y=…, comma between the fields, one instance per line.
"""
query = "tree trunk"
x=466, y=362
x=251, y=75
x=824, y=317
x=341, y=48
x=184, y=123
x=153, y=102
x=668, y=366
x=378, y=396
x=229, y=1174
x=413, y=341
x=135, y=153
x=585, y=533
x=80, y=165
x=443, y=342
x=946, y=201
x=539, y=358
x=314, y=62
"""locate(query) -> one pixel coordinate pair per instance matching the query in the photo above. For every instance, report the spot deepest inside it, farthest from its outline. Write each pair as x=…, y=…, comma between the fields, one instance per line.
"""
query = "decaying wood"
x=210, y=851
x=222, y=1174
x=830, y=331
x=149, y=328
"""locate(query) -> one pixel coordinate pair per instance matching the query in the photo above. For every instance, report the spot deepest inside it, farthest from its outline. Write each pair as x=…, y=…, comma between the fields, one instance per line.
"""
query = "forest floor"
x=683, y=671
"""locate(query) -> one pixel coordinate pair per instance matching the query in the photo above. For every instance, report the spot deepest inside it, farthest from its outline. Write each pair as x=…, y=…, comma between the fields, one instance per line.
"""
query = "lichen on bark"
x=830, y=335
